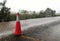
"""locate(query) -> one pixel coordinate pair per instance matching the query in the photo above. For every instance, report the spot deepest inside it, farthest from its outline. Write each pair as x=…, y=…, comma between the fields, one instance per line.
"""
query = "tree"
x=49, y=12
x=41, y=13
x=4, y=12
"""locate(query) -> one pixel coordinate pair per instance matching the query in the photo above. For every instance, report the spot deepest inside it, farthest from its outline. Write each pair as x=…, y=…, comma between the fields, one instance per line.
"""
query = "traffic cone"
x=18, y=26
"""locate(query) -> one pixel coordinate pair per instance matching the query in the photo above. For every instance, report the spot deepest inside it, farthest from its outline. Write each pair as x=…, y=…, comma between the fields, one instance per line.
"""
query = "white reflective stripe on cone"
x=17, y=18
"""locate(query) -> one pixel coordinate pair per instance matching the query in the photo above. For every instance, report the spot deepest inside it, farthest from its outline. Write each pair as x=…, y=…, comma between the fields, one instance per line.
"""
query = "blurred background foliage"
x=26, y=15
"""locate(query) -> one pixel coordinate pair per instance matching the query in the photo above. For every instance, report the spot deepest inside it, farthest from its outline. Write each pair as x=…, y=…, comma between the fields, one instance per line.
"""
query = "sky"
x=33, y=5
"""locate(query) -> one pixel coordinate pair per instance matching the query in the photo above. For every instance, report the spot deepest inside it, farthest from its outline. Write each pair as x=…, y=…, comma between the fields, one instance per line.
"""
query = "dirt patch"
x=19, y=38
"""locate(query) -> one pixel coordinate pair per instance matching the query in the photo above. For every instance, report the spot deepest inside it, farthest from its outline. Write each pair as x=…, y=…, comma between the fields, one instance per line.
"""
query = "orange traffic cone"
x=18, y=26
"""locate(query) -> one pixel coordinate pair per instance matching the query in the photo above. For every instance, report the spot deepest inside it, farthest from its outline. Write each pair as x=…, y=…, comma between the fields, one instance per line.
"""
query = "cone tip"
x=17, y=14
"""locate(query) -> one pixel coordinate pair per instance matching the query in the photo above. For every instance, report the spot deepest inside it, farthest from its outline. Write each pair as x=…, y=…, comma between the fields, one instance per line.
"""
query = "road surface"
x=46, y=29
x=44, y=32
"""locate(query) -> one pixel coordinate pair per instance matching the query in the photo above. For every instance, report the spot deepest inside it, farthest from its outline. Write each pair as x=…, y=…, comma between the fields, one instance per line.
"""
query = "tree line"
x=24, y=15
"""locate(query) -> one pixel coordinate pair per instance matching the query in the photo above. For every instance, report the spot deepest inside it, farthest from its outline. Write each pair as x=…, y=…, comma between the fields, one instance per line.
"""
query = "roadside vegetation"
x=26, y=15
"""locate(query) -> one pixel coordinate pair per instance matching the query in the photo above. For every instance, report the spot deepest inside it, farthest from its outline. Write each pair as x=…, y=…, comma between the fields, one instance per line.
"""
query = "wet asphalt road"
x=47, y=32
